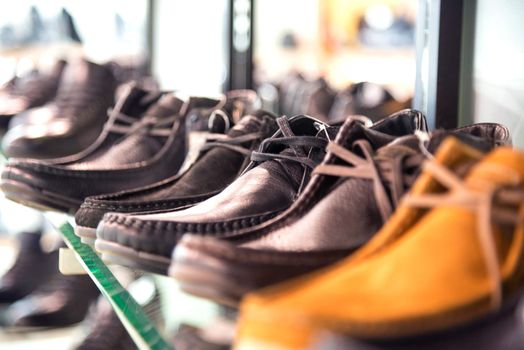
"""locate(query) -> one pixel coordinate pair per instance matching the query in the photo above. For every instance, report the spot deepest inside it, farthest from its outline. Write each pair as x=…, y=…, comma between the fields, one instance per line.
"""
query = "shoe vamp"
x=133, y=149
x=329, y=225
x=257, y=192
x=213, y=172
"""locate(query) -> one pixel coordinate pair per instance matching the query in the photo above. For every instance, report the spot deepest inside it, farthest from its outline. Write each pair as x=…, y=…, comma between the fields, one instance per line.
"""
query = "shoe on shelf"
x=107, y=331
x=221, y=160
x=369, y=99
x=235, y=104
x=314, y=98
x=34, y=90
x=450, y=255
x=32, y=268
x=143, y=142
x=62, y=301
x=277, y=174
x=71, y=121
x=358, y=186
x=289, y=89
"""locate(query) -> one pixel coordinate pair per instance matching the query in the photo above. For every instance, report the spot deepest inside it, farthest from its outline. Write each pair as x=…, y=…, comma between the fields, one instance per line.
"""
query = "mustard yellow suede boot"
x=423, y=271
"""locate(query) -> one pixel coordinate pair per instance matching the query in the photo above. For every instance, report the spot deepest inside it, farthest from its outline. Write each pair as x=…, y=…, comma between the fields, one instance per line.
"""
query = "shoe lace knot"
x=299, y=145
x=391, y=176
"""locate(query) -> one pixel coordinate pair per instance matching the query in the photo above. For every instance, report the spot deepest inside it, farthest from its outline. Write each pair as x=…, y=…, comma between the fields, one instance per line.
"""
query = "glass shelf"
x=137, y=323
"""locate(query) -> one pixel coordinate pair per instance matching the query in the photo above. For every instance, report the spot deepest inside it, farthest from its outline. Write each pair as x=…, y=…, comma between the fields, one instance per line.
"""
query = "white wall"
x=190, y=45
x=498, y=76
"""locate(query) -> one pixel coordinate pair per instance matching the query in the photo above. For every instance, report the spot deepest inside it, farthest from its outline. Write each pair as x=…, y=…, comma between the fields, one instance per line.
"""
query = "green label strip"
x=141, y=329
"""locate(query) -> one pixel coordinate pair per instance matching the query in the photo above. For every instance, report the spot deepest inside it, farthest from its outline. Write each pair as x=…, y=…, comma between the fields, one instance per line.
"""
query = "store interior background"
x=185, y=46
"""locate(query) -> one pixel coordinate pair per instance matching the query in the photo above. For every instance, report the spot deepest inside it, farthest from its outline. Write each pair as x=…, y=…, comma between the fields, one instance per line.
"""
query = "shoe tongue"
x=358, y=131
x=502, y=166
x=405, y=145
x=136, y=101
x=230, y=162
x=302, y=126
x=253, y=123
x=141, y=146
x=197, y=111
x=240, y=103
x=369, y=95
x=166, y=106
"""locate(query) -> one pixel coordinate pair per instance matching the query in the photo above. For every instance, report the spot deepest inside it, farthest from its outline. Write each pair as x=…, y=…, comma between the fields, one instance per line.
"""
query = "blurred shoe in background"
x=235, y=104
x=297, y=95
x=33, y=90
x=214, y=337
x=316, y=99
x=60, y=302
x=371, y=100
x=71, y=122
x=106, y=330
x=143, y=142
x=33, y=267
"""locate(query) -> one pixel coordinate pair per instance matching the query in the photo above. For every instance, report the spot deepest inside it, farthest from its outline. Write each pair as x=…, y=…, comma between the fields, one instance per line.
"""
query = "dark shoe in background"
x=60, y=302
x=192, y=338
x=278, y=173
x=222, y=159
x=235, y=104
x=69, y=123
x=34, y=90
x=143, y=142
x=368, y=99
x=315, y=99
x=107, y=331
x=289, y=89
x=104, y=328
x=300, y=96
x=33, y=268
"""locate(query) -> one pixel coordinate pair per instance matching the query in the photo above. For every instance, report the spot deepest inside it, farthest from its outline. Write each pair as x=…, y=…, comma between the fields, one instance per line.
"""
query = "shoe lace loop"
x=494, y=204
x=233, y=143
x=126, y=125
x=300, y=146
x=391, y=170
